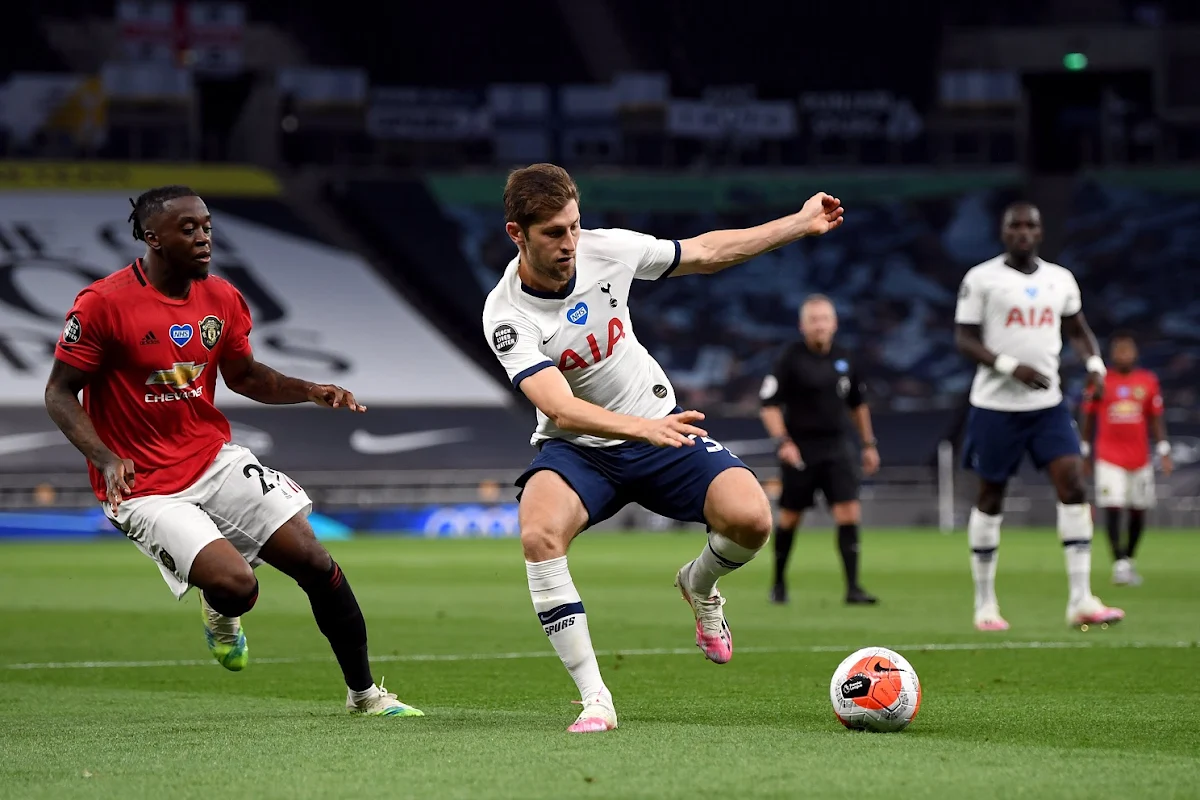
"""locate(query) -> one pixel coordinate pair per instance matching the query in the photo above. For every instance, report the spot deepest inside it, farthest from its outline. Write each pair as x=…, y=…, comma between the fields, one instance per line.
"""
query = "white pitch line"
x=669, y=651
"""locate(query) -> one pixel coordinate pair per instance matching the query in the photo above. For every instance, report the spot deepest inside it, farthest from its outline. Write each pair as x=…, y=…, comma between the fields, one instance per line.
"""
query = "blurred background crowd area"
x=375, y=144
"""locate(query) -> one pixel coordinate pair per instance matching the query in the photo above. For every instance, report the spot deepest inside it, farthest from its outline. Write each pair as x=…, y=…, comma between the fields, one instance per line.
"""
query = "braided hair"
x=152, y=202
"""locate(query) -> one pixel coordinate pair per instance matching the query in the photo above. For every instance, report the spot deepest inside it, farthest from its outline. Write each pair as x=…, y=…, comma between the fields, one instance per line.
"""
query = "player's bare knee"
x=542, y=542
x=295, y=551
x=233, y=592
x=749, y=525
x=847, y=513
x=238, y=583
x=990, y=505
x=990, y=500
x=1072, y=494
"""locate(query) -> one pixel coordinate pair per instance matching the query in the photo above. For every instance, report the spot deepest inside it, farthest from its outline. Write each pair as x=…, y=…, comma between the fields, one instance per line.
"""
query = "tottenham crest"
x=210, y=331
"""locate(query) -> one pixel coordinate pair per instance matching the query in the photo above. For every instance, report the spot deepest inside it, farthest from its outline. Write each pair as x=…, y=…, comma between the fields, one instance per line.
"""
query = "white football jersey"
x=1020, y=316
x=584, y=331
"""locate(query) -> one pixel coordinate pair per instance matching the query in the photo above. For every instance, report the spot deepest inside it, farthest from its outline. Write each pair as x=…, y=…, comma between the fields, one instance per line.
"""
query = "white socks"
x=983, y=534
x=1075, y=531
x=561, y=615
x=720, y=556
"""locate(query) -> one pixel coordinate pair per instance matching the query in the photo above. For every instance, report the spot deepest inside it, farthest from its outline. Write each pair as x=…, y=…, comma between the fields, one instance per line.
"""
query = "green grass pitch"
x=124, y=700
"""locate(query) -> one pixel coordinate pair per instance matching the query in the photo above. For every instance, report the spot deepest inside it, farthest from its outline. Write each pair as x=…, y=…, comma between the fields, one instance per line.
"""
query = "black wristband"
x=872, y=443
x=780, y=441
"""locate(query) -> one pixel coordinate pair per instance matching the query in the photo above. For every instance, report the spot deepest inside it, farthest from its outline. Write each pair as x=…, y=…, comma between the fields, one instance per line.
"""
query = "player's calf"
x=295, y=551
x=739, y=515
x=551, y=513
x=232, y=595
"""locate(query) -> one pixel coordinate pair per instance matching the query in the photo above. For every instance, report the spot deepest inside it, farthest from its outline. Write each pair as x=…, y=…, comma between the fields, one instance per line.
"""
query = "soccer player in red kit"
x=1120, y=416
x=144, y=346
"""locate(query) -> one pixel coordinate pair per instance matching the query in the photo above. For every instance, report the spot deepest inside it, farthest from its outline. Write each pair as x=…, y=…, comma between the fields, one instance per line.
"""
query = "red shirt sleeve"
x=1154, y=401
x=87, y=332
x=237, y=346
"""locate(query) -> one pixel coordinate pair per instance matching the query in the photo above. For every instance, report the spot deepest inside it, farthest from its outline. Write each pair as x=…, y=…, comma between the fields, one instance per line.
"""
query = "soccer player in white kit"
x=1012, y=312
x=609, y=431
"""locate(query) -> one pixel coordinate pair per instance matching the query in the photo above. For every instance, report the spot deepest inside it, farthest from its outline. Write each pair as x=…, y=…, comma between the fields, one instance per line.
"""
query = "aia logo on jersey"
x=572, y=360
x=1031, y=317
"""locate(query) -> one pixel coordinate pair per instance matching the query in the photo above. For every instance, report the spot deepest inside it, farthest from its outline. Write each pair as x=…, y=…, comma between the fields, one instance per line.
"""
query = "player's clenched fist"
x=330, y=396
x=821, y=214
x=675, y=430
x=118, y=479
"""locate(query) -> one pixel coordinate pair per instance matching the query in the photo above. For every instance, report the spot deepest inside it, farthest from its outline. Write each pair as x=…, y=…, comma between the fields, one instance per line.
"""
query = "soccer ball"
x=875, y=689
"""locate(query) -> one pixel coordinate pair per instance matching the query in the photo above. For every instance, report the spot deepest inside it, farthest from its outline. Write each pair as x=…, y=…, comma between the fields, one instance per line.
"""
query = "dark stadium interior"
x=934, y=170
x=354, y=157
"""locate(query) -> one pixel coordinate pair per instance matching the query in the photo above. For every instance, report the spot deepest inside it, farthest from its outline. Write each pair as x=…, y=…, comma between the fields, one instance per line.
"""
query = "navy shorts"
x=669, y=481
x=996, y=441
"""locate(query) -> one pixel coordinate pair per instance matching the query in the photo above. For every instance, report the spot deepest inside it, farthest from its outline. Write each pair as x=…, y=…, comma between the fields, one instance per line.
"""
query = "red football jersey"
x=153, y=362
x=1122, y=417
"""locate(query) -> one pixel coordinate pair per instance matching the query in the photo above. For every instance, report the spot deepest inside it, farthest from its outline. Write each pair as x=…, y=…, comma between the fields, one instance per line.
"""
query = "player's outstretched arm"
x=550, y=392
x=62, y=404
x=253, y=379
x=714, y=251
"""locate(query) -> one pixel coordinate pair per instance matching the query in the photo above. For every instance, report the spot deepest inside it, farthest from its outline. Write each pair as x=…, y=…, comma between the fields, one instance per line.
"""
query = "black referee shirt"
x=814, y=390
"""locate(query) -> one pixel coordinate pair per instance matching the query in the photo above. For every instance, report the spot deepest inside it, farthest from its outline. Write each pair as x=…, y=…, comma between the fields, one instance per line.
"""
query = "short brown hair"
x=817, y=298
x=537, y=192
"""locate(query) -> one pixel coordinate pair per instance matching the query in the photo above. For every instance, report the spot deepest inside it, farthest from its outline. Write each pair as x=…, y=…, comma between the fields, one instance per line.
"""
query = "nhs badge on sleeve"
x=180, y=334
x=578, y=315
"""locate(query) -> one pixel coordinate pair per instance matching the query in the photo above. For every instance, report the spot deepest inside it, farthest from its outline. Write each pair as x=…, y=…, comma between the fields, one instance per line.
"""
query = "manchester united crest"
x=210, y=331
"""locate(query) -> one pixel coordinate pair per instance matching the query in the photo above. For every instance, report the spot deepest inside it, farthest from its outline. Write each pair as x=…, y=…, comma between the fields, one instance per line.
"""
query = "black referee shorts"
x=837, y=479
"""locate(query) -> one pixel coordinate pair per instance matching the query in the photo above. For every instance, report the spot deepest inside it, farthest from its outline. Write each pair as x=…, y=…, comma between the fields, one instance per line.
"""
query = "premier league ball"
x=875, y=689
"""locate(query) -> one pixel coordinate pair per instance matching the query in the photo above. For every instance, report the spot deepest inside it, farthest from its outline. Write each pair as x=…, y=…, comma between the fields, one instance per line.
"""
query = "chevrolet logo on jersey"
x=179, y=376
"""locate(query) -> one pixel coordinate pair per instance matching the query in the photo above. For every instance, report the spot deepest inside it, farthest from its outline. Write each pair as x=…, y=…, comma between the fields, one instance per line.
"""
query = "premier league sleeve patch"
x=73, y=330
x=210, y=331
x=504, y=338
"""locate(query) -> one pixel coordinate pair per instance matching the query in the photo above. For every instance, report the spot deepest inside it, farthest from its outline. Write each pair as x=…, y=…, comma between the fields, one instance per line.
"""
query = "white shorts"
x=1117, y=487
x=236, y=498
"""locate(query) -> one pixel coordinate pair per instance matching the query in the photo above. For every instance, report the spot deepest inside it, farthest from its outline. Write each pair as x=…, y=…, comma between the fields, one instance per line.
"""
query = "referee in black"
x=804, y=406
